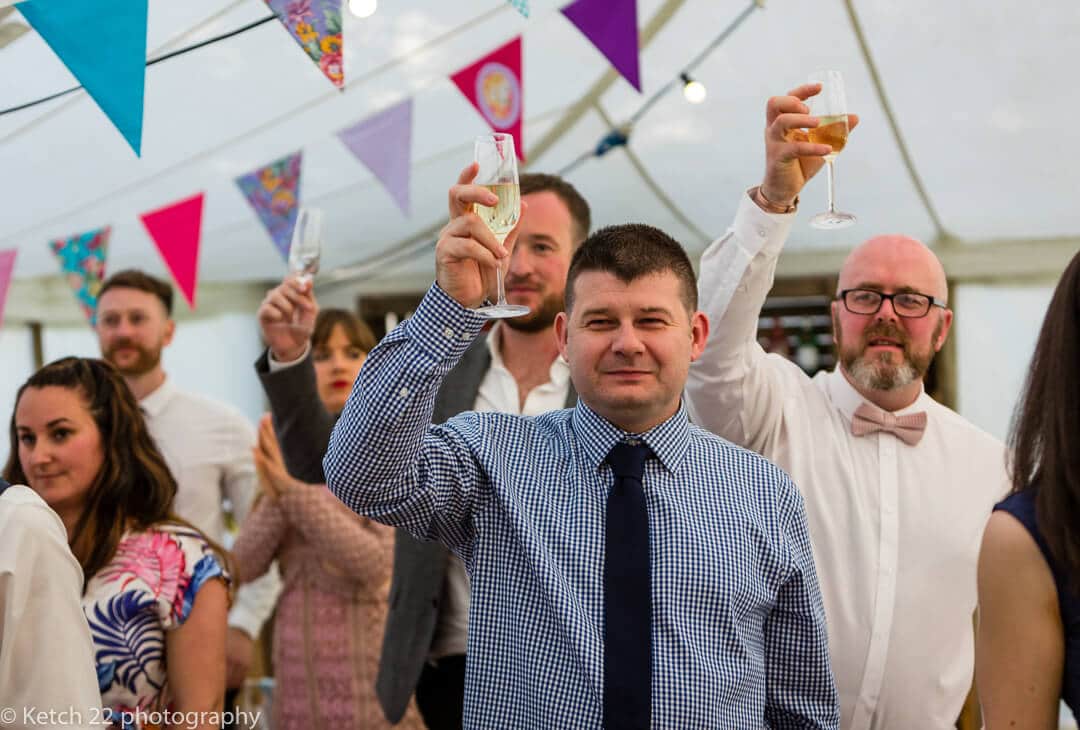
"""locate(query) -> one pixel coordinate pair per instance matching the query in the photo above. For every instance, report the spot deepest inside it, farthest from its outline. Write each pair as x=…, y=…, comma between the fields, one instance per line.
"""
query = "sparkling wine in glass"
x=830, y=107
x=498, y=172
x=305, y=249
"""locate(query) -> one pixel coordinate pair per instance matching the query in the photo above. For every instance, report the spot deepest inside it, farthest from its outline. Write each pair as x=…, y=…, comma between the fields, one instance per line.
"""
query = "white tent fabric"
x=978, y=96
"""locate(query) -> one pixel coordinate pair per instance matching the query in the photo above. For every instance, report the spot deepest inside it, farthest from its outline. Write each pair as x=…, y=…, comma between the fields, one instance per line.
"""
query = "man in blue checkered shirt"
x=677, y=593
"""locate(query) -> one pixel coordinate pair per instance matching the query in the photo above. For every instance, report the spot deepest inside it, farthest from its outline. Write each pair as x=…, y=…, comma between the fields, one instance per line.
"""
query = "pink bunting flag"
x=383, y=142
x=493, y=85
x=7, y=268
x=82, y=262
x=611, y=26
x=175, y=229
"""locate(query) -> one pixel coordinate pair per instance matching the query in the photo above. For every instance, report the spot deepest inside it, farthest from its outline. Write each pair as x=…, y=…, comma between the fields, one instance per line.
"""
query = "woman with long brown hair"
x=155, y=592
x=335, y=564
x=1028, y=645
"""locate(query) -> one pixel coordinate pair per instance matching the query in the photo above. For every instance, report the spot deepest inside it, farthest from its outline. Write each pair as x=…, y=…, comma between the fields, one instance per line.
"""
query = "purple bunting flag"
x=316, y=26
x=383, y=142
x=274, y=192
x=611, y=25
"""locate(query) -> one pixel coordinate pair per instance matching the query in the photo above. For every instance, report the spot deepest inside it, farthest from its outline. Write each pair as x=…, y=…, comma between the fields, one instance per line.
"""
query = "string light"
x=694, y=91
x=363, y=8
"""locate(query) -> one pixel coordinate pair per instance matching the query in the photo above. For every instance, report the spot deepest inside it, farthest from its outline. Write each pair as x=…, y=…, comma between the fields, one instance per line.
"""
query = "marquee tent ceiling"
x=981, y=94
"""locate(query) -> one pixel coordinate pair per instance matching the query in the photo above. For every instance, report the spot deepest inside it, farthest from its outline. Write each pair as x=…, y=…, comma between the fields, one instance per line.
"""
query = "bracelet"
x=759, y=197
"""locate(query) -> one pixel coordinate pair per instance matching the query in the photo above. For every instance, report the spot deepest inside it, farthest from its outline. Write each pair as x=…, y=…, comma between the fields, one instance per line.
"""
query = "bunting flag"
x=103, y=44
x=522, y=6
x=383, y=142
x=493, y=85
x=316, y=26
x=7, y=267
x=175, y=229
x=611, y=26
x=273, y=191
x=82, y=262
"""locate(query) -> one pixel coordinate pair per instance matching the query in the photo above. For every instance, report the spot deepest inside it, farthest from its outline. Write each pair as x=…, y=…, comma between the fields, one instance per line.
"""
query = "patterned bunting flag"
x=103, y=44
x=273, y=191
x=82, y=262
x=383, y=142
x=7, y=267
x=316, y=26
x=522, y=6
x=176, y=229
x=611, y=25
x=493, y=85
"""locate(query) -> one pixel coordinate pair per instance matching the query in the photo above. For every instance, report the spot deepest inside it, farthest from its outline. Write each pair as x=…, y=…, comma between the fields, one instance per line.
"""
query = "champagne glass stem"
x=832, y=184
x=499, y=280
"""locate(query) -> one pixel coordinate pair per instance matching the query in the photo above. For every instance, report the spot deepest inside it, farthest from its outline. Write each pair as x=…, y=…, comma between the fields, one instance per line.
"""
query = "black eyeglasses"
x=906, y=304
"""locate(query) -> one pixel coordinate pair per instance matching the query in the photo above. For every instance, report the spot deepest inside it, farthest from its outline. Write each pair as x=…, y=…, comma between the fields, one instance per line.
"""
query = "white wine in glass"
x=830, y=107
x=494, y=153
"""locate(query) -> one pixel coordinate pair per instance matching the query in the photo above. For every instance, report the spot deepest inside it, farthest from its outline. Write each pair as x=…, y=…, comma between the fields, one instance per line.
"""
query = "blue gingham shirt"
x=738, y=627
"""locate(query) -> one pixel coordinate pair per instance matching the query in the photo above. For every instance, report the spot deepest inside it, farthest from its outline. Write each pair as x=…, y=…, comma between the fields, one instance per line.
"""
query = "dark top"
x=3, y=485
x=1022, y=507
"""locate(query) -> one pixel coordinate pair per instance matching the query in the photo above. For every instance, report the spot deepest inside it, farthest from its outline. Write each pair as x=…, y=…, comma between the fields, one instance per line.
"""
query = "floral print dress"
x=147, y=589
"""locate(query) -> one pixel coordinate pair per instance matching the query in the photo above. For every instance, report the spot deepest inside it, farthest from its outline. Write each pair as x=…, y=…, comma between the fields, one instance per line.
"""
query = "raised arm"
x=733, y=389
x=385, y=460
x=354, y=545
x=260, y=537
x=800, y=691
x=287, y=318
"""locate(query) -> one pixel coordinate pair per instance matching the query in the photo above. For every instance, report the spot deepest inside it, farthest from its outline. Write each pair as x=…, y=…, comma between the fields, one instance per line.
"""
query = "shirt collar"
x=154, y=403
x=847, y=399
x=558, y=373
x=669, y=440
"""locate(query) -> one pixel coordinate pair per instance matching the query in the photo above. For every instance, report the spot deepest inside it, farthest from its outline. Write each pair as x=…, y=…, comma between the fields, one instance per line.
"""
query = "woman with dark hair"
x=1028, y=646
x=335, y=564
x=155, y=592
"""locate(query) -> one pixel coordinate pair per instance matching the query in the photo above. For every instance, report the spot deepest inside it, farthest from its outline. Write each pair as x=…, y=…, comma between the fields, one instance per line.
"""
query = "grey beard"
x=881, y=375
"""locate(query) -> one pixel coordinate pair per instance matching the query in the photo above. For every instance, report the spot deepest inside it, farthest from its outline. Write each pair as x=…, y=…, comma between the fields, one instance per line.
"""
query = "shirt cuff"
x=243, y=618
x=276, y=365
x=756, y=229
x=442, y=326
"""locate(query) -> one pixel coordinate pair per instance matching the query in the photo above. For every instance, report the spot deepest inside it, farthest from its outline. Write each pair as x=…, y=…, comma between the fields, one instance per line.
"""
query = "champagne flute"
x=498, y=172
x=305, y=249
x=830, y=107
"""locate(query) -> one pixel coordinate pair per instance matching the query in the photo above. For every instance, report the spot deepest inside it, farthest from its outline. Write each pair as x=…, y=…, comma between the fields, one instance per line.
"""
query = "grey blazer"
x=301, y=422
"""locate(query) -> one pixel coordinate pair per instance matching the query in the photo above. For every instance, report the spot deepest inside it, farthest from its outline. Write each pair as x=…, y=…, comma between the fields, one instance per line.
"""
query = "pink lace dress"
x=146, y=590
x=336, y=568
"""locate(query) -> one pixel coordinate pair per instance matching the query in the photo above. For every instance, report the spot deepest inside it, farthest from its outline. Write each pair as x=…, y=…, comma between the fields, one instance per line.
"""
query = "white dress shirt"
x=498, y=392
x=207, y=446
x=895, y=528
x=46, y=654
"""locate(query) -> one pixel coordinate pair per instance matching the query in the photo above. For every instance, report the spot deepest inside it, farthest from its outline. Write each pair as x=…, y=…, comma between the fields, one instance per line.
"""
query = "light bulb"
x=694, y=91
x=363, y=8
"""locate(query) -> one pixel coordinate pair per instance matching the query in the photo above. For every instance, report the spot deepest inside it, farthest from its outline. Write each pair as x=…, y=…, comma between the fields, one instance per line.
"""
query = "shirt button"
x=761, y=232
x=449, y=333
x=404, y=392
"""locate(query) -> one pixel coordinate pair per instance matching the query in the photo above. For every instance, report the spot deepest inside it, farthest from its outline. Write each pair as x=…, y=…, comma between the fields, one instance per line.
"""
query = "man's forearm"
x=372, y=463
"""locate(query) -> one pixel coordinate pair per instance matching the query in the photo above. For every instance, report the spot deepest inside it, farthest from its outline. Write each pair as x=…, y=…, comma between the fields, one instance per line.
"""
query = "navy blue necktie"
x=627, y=598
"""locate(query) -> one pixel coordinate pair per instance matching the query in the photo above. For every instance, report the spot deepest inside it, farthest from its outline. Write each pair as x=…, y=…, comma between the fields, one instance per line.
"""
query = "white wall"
x=995, y=331
x=211, y=356
x=16, y=365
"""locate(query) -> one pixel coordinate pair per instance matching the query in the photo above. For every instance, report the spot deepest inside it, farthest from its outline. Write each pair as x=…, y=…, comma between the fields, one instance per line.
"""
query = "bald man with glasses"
x=898, y=487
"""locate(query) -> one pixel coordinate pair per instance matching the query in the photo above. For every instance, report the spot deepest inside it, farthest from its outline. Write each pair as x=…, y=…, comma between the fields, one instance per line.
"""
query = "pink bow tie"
x=869, y=419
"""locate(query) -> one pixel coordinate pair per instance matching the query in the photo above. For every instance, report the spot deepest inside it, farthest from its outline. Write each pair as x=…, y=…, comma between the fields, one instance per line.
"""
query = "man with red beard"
x=897, y=487
x=206, y=444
